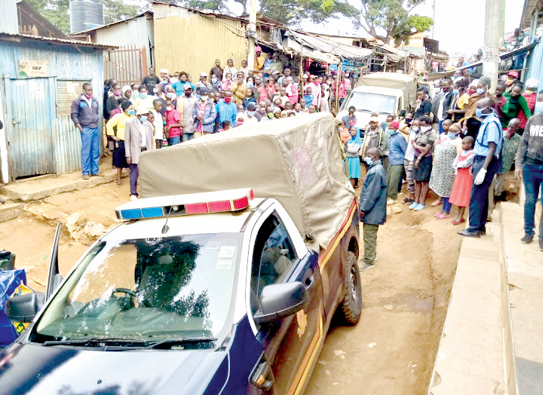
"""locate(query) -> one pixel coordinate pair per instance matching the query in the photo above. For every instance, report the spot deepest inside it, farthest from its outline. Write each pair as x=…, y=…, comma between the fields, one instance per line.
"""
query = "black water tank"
x=85, y=15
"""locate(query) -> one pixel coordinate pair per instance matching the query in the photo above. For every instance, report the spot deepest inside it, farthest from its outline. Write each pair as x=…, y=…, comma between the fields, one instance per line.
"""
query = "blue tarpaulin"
x=9, y=281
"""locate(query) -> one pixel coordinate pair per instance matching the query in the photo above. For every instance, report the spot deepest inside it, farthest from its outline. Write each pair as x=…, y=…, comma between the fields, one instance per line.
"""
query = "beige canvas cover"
x=404, y=82
x=295, y=160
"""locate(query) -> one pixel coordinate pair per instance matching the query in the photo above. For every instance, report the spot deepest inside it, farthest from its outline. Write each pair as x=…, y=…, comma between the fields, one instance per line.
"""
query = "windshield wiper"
x=182, y=340
x=92, y=341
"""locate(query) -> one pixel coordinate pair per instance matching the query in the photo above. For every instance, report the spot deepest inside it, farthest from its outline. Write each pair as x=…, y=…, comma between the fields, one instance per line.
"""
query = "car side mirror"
x=281, y=300
x=23, y=308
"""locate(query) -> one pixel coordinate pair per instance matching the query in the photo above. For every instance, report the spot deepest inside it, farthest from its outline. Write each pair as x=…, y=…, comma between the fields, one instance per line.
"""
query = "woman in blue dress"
x=352, y=150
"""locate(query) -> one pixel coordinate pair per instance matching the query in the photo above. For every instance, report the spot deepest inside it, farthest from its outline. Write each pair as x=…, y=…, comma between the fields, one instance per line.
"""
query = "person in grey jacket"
x=529, y=165
x=138, y=138
x=373, y=204
x=85, y=114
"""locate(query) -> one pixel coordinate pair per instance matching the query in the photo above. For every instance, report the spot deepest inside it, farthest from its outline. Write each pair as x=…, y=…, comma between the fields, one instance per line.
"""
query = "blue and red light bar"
x=197, y=203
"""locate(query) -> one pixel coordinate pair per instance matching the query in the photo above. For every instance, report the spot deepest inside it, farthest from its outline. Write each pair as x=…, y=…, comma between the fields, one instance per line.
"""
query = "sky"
x=451, y=23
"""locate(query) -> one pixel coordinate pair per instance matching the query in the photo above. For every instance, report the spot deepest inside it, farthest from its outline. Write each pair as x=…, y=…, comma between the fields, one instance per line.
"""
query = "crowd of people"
x=461, y=143
x=177, y=109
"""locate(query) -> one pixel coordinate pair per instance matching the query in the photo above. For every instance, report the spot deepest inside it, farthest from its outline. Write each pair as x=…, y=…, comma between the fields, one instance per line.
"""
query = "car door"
x=290, y=344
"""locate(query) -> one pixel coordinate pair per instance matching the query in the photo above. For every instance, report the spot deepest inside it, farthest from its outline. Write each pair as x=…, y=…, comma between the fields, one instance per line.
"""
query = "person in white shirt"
x=158, y=123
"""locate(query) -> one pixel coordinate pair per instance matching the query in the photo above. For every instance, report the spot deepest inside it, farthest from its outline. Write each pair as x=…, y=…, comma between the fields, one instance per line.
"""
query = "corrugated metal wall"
x=65, y=62
x=188, y=41
x=67, y=146
x=9, y=21
x=136, y=33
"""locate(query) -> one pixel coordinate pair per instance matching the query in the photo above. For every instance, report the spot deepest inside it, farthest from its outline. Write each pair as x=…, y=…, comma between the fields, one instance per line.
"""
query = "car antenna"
x=166, y=228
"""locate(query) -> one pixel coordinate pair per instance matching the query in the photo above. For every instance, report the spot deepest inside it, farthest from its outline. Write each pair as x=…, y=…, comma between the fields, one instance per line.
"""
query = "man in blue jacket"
x=204, y=114
x=85, y=115
x=373, y=204
x=228, y=110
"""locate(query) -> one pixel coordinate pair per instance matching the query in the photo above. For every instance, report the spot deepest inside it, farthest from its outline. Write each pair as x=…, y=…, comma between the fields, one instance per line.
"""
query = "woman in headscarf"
x=127, y=93
x=352, y=150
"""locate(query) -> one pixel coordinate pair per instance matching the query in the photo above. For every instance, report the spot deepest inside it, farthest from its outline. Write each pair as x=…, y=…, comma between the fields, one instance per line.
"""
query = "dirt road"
x=392, y=349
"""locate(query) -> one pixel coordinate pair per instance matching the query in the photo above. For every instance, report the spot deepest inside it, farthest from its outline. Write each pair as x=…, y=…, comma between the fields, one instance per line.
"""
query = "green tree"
x=393, y=21
x=56, y=11
x=293, y=12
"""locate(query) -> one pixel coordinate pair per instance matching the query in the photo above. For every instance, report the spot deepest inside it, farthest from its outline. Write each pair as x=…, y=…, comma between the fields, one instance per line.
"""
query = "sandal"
x=455, y=222
x=436, y=203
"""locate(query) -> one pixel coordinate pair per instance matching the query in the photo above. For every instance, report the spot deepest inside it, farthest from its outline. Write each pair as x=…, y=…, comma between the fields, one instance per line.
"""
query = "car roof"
x=227, y=222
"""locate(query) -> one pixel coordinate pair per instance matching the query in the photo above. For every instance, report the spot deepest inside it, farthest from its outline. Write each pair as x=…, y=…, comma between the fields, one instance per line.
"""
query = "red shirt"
x=173, y=118
x=530, y=99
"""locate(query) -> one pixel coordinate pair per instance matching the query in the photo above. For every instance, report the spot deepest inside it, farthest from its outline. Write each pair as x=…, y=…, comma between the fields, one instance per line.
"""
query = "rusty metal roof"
x=18, y=37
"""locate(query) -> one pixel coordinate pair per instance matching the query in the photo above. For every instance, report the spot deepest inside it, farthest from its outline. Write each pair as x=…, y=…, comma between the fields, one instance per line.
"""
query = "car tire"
x=351, y=306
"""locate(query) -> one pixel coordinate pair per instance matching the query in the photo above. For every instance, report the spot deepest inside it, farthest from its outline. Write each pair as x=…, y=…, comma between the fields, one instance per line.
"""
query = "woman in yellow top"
x=461, y=97
x=115, y=129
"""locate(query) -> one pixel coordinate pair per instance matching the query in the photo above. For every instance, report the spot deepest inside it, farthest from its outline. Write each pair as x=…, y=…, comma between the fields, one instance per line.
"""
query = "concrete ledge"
x=524, y=271
x=10, y=211
x=470, y=358
x=40, y=188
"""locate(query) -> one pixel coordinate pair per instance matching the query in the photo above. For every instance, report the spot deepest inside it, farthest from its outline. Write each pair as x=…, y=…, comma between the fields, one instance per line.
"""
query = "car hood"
x=362, y=118
x=35, y=369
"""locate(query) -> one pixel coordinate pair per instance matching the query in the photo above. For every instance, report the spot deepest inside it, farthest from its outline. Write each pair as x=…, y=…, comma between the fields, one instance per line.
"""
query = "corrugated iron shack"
x=190, y=40
x=40, y=78
x=135, y=40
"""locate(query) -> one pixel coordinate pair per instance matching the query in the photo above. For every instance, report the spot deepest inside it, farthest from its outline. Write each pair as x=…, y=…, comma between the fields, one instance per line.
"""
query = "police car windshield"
x=363, y=101
x=148, y=289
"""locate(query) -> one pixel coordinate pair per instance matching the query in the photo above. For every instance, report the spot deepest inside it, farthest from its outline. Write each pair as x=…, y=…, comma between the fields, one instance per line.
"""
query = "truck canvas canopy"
x=295, y=160
x=403, y=82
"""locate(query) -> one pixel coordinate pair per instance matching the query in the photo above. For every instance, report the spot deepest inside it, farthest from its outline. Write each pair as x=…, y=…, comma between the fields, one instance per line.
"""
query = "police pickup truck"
x=223, y=292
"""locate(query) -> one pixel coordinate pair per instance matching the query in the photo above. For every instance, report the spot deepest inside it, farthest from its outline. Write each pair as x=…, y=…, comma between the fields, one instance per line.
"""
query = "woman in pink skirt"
x=461, y=190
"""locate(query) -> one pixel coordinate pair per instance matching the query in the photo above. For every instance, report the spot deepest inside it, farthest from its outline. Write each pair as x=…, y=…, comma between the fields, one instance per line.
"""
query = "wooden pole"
x=337, y=84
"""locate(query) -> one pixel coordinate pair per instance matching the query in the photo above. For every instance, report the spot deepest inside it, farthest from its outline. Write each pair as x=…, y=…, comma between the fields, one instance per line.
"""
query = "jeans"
x=134, y=175
x=478, y=203
x=446, y=205
x=394, y=176
x=174, y=140
x=90, y=150
x=370, y=243
x=188, y=136
x=532, y=176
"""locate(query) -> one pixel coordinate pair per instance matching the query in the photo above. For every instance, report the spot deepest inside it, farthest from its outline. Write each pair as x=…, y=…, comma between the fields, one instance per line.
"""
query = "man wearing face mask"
x=204, y=115
x=185, y=106
x=228, y=110
x=138, y=138
x=486, y=164
x=144, y=100
x=85, y=115
x=442, y=103
x=250, y=114
x=471, y=121
x=529, y=165
x=373, y=201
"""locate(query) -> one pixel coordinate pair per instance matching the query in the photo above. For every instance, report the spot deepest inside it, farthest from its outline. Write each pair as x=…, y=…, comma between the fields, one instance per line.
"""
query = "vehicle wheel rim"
x=354, y=288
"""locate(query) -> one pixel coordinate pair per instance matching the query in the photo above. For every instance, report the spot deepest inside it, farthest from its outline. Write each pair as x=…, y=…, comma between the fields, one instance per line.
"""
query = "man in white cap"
x=375, y=137
x=185, y=106
x=138, y=138
x=202, y=83
x=530, y=94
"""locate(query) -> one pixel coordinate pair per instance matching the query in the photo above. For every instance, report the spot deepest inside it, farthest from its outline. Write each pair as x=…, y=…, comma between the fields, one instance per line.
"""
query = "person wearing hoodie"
x=373, y=204
x=529, y=167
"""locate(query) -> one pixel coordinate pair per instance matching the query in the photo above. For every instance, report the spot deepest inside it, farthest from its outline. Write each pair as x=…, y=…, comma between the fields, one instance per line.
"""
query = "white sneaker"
x=133, y=197
x=390, y=202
